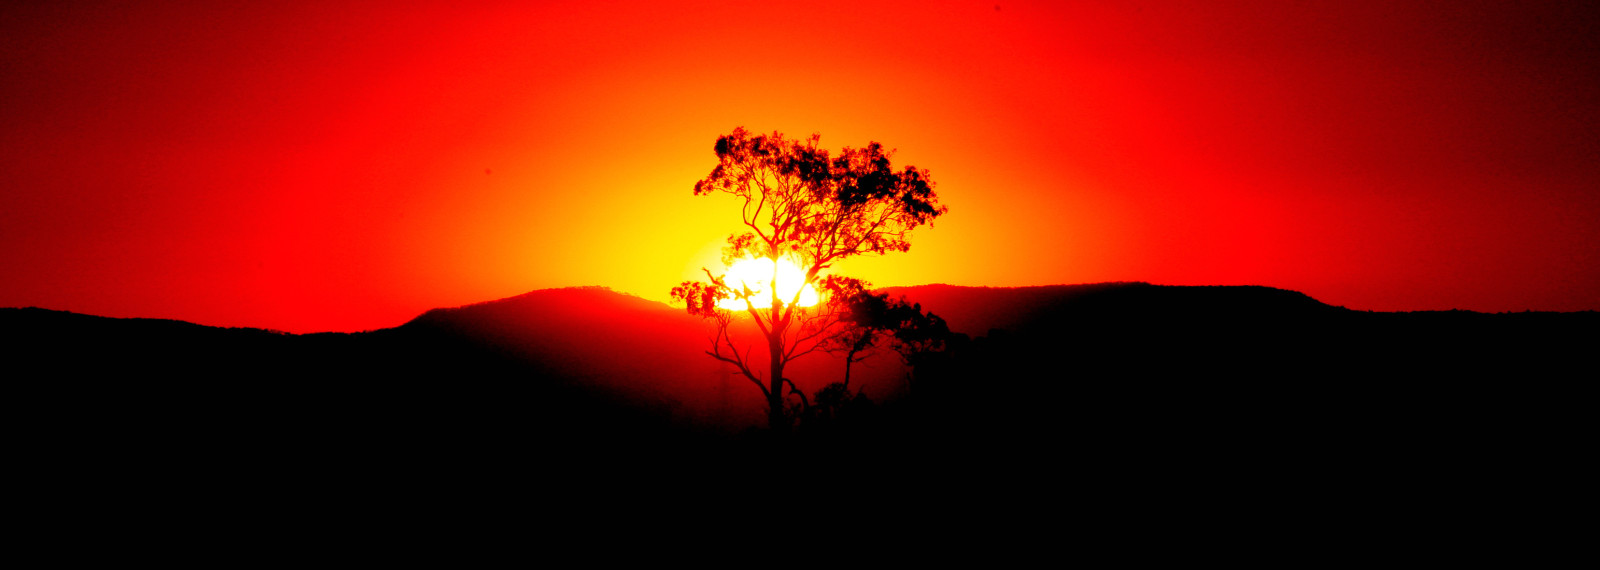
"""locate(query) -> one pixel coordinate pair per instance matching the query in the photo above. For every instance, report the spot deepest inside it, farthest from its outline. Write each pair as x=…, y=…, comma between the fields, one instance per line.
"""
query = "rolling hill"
x=1245, y=368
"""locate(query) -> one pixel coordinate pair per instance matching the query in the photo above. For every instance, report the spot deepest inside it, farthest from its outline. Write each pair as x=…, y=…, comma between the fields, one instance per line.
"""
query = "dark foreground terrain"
x=1121, y=391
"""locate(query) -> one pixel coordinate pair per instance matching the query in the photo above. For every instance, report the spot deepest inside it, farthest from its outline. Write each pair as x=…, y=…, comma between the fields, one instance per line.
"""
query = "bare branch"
x=737, y=360
x=805, y=403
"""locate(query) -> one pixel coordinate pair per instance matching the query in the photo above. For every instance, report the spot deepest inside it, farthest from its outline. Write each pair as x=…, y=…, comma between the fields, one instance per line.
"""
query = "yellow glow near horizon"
x=756, y=273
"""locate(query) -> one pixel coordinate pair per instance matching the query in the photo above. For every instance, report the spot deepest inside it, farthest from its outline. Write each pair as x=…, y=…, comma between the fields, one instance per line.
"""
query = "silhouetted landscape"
x=1206, y=374
x=758, y=171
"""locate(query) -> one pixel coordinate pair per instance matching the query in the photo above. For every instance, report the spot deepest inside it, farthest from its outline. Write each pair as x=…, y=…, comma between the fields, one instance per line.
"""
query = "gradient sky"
x=346, y=166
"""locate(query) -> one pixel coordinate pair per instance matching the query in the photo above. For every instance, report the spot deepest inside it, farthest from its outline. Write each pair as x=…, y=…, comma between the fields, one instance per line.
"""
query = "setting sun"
x=756, y=273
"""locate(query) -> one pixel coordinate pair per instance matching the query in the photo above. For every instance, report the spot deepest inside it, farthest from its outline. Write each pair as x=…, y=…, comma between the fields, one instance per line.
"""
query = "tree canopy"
x=799, y=200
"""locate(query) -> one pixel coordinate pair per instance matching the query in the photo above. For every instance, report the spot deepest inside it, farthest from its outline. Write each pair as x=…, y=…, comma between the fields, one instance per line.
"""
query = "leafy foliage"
x=798, y=199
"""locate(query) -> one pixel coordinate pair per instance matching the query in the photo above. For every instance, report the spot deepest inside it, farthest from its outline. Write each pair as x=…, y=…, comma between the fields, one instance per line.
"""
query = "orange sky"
x=346, y=166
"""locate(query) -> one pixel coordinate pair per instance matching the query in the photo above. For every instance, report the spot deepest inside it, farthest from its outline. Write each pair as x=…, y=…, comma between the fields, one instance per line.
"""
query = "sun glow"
x=756, y=273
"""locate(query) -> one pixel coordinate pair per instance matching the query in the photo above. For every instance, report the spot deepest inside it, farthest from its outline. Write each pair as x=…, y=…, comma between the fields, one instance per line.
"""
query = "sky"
x=345, y=166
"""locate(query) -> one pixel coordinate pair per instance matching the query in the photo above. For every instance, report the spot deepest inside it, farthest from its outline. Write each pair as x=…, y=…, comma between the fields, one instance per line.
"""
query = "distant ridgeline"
x=1201, y=372
x=1154, y=332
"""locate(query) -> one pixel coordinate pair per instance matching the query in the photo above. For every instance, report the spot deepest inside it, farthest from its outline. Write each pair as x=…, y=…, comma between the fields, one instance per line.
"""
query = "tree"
x=866, y=319
x=801, y=205
x=871, y=320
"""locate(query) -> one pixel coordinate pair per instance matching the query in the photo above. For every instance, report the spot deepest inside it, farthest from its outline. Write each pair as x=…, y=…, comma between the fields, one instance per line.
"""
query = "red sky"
x=346, y=166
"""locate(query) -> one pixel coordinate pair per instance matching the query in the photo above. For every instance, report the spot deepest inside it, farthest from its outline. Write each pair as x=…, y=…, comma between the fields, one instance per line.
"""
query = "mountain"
x=1203, y=373
x=975, y=310
x=645, y=353
x=1118, y=400
x=1259, y=368
x=1149, y=331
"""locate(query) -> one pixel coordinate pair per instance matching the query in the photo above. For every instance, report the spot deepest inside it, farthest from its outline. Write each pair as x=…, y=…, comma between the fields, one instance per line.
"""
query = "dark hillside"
x=1113, y=374
x=143, y=390
x=1134, y=306
x=1249, y=374
x=1143, y=330
x=645, y=354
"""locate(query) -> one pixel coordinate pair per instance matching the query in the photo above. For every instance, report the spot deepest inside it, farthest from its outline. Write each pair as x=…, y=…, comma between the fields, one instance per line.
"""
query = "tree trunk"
x=849, y=358
x=777, y=420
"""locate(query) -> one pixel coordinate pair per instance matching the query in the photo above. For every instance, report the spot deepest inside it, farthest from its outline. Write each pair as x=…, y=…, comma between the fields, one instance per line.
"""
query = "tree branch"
x=805, y=404
x=736, y=360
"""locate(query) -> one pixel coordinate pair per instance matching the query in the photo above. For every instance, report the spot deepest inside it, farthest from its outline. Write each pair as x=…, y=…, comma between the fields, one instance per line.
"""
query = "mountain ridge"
x=562, y=332
x=914, y=293
x=586, y=388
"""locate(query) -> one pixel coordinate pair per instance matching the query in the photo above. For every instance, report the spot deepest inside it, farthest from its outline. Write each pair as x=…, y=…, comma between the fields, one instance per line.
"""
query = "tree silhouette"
x=866, y=319
x=802, y=205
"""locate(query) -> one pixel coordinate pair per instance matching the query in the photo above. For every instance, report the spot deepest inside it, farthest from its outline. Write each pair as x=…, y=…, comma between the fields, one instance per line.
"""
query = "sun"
x=756, y=273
